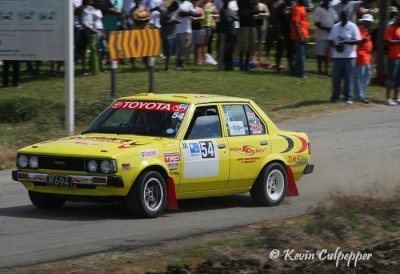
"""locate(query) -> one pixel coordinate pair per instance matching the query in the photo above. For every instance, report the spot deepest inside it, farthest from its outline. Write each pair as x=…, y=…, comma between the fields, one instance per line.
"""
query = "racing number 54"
x=207, y=149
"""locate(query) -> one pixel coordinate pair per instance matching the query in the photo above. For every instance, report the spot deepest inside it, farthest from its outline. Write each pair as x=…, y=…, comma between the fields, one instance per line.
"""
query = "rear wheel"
x=148, y=195
x=45, y=201
x=271, y=186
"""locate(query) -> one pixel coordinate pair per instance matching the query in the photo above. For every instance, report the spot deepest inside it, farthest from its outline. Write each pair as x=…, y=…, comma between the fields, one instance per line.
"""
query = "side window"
x=255, y=124
x=241, y=120
x=236, y=120
x=205, y=124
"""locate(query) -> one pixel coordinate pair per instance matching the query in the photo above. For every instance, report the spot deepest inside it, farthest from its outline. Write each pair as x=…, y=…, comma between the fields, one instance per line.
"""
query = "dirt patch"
x=354, y=234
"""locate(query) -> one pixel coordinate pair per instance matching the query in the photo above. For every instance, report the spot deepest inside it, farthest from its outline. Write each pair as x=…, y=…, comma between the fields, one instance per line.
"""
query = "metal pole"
x=114, y=66
x=69, y=70
x=151, y=62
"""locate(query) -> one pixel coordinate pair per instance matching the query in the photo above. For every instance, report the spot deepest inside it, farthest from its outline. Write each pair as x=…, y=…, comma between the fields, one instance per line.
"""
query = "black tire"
x=147, y=197
x=45, y=201
x=271, y=186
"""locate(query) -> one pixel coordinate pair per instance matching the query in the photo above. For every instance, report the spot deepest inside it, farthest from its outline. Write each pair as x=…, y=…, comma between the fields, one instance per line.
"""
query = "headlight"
x=22, y=161
x=105, y=166
x=92, y=166
x=33, y=162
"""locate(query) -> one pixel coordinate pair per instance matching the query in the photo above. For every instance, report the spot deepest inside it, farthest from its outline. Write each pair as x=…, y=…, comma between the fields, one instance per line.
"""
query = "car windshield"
x=149, y=118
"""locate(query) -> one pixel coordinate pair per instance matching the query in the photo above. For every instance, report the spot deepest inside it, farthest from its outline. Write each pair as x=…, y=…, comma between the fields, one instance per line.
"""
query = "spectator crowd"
x=229, y=33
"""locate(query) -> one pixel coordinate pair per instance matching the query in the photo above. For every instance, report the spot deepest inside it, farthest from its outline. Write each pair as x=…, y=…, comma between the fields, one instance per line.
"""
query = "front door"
x=205, y=152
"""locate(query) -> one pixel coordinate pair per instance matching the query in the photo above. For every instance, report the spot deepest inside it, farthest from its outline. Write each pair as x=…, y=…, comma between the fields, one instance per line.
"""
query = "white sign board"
x=32, y=29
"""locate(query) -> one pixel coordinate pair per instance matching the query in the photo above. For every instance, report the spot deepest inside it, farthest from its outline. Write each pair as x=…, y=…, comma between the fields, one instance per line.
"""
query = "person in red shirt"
x=299, y=36
x=363, y=61
x=392, y=39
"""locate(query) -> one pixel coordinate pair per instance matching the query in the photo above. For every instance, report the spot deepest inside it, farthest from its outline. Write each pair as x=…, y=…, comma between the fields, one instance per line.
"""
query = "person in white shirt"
x=350, y=7
x=344, y=36
x=324, y=19
x=154, y=8
x=92, y=20
x=183, y=32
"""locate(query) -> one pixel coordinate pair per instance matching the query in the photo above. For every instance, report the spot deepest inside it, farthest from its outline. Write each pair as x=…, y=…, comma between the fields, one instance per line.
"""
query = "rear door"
x=249, y=144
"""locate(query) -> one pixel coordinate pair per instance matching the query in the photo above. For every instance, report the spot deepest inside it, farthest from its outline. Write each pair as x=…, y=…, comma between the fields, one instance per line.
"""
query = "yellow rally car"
x=149, y=150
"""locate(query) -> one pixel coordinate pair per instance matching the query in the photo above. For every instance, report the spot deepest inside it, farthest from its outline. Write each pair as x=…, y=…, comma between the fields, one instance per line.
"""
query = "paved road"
x=351, y=150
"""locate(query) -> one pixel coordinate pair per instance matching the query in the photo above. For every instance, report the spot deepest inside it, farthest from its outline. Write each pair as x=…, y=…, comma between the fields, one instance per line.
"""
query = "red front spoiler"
x=172, y=204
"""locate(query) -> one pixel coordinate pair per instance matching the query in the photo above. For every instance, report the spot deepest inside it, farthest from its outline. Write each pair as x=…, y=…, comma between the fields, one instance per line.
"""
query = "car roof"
x=185, y=98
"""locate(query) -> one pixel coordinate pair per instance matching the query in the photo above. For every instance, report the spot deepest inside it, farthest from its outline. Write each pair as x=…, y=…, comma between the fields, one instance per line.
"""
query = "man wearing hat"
x=363, y=61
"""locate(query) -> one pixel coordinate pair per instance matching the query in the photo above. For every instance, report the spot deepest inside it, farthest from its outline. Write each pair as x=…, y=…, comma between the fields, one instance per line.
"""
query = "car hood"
x=93, y=145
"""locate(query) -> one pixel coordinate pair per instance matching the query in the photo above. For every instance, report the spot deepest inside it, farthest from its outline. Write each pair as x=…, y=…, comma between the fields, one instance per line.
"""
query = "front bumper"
x=309, y=169
x=40, y=179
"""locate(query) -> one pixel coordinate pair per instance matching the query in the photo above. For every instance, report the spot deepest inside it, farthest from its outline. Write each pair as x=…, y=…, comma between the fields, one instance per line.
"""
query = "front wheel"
x=271, y=185
x=148, y=195
x=45, y=201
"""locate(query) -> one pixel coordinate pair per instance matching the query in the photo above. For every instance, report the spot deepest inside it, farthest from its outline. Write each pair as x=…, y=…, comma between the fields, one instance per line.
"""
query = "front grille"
x=61, y=163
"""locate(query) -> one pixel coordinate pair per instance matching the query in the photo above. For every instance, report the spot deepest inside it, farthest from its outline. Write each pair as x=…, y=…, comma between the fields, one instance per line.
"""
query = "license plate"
x=59, y=181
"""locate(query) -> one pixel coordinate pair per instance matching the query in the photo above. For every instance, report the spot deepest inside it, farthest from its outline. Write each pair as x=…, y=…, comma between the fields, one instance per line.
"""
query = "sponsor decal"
x=194, y=149
x=172, y=160
x=290, y=144
x=249, y=160
x=304, y=144
x=201, y=159
x=172, y=157
x=133, y=144
x=247, y=150
x=150, y=105
x=81, y=139
x=126, y=167
x=148, y=153
x=255, y=125
x=39, y=178
x=236, y=128
x=174, y=173
x=303, y=141
x=204, y=149
x=256, y=128
x=80, y=180
x=78, y=143
x=297, y=160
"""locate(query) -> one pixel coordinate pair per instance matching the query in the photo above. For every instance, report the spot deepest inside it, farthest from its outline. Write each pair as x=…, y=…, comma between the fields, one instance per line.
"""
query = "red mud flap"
x=292, y=188
x=172, y=204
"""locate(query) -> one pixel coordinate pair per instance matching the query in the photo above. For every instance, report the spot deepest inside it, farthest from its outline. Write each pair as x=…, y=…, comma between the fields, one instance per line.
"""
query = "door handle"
x=263, y=143
x=220, y=146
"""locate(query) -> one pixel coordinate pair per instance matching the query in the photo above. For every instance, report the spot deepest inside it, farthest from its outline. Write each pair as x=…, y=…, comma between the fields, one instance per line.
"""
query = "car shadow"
x=117, y=211
x=70, y=212
x=214, y=203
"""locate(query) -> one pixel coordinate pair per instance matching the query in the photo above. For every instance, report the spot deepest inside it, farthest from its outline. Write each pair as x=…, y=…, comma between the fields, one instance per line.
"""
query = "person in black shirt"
x=246, y=39
x=227, y=37
x=281, y=19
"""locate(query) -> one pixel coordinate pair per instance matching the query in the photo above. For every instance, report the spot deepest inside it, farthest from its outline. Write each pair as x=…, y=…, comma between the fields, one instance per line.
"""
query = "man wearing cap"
x=363, y=61
x=392, y=39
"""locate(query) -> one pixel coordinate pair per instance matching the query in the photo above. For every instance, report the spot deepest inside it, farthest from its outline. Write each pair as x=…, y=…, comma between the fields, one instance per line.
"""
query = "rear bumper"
x=309, y=169
x=40, y=179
